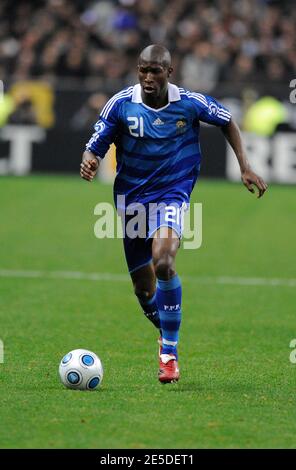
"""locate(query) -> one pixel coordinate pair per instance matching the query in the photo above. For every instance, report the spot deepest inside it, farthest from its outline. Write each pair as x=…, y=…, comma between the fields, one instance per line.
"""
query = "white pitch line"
x=78, y=275
x=72, y=275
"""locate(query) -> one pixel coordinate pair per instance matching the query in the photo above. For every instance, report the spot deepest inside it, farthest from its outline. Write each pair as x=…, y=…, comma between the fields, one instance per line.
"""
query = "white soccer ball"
x=81, y=369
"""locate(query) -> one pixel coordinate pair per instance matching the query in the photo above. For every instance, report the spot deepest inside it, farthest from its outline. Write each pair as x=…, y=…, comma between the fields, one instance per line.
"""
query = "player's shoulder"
x=206, y=104
x=113, y=103
x=194, y=97
x=123, y=94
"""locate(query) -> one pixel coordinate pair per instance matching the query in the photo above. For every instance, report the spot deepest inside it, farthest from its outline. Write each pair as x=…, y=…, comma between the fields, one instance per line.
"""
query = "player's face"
x=153, y=78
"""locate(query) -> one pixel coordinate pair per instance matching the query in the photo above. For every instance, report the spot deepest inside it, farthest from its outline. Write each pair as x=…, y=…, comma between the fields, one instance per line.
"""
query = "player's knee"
x=164, y=266
x=143, y=294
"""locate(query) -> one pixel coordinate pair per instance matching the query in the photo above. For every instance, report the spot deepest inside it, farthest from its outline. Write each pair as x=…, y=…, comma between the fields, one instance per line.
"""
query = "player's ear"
x=170, y=71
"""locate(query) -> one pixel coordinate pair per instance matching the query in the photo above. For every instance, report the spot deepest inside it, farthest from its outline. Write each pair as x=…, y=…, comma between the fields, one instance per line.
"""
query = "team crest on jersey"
x=181, y=125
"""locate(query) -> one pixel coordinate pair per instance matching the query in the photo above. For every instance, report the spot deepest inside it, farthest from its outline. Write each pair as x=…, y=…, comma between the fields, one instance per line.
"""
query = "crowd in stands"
x=98, y=41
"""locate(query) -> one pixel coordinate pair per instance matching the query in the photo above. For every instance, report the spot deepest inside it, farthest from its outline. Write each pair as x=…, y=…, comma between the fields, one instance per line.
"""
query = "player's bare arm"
x=89, y=166
x=249, y=177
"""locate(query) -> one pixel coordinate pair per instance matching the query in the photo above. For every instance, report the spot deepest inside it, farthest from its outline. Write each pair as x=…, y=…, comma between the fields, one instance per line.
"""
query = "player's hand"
x=250, y=179
x=88, y=169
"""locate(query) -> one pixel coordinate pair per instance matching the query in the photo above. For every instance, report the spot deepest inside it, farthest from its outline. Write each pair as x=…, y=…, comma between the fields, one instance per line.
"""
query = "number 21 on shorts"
x=172, y=214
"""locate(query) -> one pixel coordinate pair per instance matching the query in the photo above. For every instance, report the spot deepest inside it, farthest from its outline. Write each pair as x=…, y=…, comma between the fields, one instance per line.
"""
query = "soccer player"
x=155, y=127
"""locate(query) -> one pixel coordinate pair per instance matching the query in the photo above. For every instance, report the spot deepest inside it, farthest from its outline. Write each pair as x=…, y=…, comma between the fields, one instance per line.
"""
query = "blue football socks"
x=168, y=297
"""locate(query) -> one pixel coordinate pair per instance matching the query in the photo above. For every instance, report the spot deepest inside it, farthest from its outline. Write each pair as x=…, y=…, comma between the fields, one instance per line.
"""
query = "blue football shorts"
x=140, y=223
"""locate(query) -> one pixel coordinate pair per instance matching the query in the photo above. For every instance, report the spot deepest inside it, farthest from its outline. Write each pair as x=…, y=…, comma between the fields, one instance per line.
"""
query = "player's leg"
x=144, y=283
x=168, y=297
x=138, y=254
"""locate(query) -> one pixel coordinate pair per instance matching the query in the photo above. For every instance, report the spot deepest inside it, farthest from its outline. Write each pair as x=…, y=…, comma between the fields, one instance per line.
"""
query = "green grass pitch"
x=237, y=388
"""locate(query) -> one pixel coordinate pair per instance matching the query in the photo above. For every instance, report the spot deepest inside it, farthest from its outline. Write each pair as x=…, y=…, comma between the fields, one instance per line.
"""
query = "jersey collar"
x=173, y=93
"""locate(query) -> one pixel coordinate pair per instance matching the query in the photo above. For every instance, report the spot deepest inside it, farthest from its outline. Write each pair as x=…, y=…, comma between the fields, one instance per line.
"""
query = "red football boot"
x=168, y=369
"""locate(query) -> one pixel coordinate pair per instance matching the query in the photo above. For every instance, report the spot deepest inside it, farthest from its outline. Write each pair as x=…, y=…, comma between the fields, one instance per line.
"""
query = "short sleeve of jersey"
x=209, y=110
x=105, y=129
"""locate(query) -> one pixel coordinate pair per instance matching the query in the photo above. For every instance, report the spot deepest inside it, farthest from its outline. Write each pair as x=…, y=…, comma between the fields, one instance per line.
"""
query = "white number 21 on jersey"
x=137, y=127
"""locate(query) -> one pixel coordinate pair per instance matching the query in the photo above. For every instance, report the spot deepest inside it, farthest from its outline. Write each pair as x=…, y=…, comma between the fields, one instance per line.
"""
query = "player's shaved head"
x=157, y=54
x=154, y=70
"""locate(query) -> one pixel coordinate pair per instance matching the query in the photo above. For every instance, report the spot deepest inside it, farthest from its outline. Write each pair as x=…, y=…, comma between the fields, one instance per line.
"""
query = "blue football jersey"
x=157, y=150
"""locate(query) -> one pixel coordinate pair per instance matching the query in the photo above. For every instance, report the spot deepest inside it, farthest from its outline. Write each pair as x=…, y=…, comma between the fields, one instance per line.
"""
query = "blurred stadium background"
x=61, y=288
x=61, y=60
